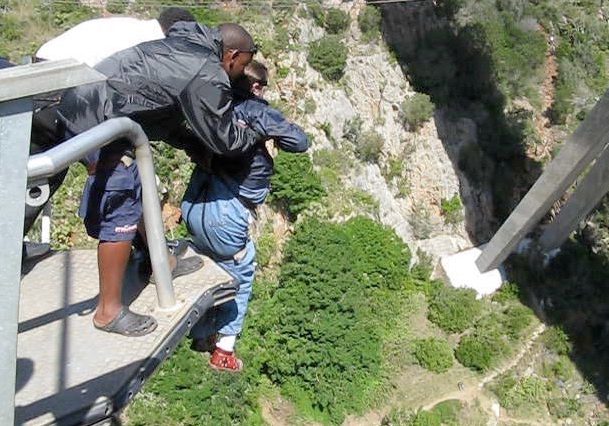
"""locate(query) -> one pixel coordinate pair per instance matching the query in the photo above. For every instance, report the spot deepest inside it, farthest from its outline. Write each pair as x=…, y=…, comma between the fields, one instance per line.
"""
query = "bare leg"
x=112, y=258
x=141, y=229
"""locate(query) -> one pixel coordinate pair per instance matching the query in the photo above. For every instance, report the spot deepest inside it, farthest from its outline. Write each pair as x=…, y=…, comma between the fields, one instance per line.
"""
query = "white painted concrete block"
x=462, y=272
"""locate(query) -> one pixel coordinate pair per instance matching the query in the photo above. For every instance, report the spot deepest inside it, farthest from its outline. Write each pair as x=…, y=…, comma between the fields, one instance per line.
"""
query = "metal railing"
x=17, y=86
x=48, y=163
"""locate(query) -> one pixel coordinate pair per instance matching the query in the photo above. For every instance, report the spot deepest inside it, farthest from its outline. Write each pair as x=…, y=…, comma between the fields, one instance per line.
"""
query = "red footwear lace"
x=222, y=360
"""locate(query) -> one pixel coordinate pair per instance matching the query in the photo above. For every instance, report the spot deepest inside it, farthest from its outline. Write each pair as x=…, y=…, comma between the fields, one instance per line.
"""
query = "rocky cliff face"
x=373, y=90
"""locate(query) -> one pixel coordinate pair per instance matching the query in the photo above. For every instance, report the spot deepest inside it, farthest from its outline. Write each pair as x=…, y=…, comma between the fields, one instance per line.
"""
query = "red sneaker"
x=221, y=360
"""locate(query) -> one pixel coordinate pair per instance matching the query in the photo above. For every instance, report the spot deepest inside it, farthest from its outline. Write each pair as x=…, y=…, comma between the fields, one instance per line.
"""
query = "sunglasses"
x=253, y=50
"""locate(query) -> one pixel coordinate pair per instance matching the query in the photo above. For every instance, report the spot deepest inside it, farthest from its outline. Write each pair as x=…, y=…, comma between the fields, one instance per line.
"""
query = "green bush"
x=336, y=21
x=340, y=287
x=564, y=408
x=369, y=146
x=555, y=339
x=508, y=292
x=266, y=245
x=369, y=21
x=516, y=51
x=295, y=184
x=352, y=129
x=417, y=110
x=420, y=221
x=328, y=55
x=515, y=392
x=516, y=320
x=185, y=391
x=448, y=411
x=481, y=350
x=67, y=15
x=10, y=28
x=211, y=17
x=279, y=42
x=434, y=354
x=117, y=6
x=561, y=369
x=452, y=209
x=317, y=12
x=454, y=310
x=444, y=413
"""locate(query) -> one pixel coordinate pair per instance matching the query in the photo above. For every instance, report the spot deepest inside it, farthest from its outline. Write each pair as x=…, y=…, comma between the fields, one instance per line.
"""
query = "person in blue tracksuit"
x=219, y=206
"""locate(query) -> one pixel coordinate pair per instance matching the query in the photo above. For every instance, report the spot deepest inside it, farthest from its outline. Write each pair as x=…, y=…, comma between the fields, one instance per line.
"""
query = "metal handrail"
x=56, y=159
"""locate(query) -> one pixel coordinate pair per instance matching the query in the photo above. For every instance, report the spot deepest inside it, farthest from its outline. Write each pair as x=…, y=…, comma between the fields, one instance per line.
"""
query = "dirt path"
x=472, y=393
x=543, y=150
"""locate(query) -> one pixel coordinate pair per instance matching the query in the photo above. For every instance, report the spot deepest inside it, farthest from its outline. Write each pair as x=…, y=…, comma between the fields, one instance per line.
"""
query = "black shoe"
x=184, y=266
x=178, y=247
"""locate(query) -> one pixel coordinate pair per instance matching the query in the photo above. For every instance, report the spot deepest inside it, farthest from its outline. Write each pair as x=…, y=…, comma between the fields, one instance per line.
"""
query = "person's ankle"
x=103, y=315
x=226, y=343
x=173, y=262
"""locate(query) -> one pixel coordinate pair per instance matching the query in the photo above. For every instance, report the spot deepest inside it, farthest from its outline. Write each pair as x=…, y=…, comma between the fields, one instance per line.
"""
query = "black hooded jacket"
x=164, y=85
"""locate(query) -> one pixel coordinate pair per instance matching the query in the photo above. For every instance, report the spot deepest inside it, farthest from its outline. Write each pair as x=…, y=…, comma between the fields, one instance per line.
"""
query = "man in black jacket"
x=162, y=84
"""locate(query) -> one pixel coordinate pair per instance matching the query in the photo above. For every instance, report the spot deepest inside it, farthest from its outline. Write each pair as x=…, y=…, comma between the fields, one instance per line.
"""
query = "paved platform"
x=70, y=373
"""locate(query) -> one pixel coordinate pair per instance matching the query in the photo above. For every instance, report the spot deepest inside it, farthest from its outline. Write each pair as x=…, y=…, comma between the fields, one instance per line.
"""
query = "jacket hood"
x=198, y=34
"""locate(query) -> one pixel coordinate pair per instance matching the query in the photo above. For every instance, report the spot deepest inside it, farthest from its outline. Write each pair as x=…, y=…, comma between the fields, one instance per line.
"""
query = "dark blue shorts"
x=111, y=203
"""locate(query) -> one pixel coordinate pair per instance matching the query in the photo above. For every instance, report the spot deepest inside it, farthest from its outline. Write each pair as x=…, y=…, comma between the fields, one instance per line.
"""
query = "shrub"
x=516, y=320
x=187, y=392
x=481, y=350
x=417, y=110
x=454, y=310
x=452, y=210
x=448, y=411
x=317, y=12
x=352, y=129
x=369, y=146
x=562, y=369
x=336, y=21
x=369, y=21
x=328, y=55
x=563, y=408
x=434, y=354
x=514, y=392
x=310, y=106
x=10, y=28
x=508, y=292
x=444, y=413
x=324, y=326
x=281, y=39
x=117, y=6
x=420, y=221
x=211, y=17
x=556, y=340
x=266, y=245
x=66, y=15
x=295, y=184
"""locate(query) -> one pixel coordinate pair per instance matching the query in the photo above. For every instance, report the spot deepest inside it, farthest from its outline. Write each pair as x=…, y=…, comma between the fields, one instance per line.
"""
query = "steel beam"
x=583, y=146
x=15, y=125
x=43, y=77
x=587, y=195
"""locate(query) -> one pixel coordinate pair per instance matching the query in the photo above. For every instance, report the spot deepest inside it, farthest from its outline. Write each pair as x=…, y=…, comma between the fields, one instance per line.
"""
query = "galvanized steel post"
x=15, y=124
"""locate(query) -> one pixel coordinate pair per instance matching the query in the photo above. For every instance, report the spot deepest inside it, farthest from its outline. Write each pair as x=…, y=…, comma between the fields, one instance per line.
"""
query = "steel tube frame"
x=15, y=116
x=50, y=162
